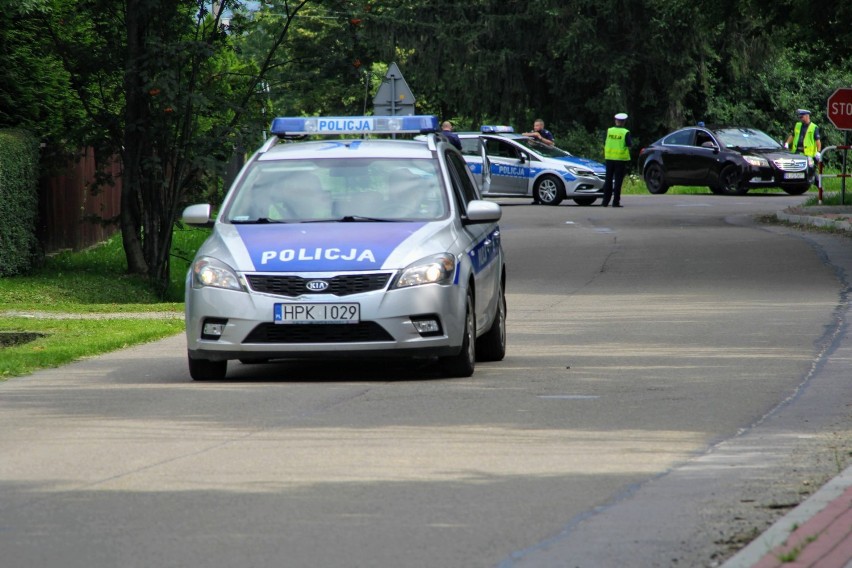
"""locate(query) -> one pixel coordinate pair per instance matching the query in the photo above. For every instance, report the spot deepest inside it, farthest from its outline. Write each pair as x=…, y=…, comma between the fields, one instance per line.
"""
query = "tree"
x=320, y=69
x=577, y=62
x=34, y=86
x=162, y=86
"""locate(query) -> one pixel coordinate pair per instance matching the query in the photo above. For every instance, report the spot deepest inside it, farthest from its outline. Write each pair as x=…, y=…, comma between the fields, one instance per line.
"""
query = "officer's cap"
x=802, y=111
x=621, y=116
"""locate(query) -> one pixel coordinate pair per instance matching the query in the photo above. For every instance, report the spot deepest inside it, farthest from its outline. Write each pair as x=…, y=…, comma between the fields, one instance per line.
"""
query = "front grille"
x=365, y=331
x=343, y=285
x=791, y=164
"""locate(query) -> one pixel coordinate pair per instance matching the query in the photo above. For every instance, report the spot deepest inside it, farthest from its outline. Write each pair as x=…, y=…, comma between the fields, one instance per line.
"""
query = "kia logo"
x=316, y=285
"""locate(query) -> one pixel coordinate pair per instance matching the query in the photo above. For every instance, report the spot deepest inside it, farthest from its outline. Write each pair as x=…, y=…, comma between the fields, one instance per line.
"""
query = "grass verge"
x=62, y=341
x=67, y=300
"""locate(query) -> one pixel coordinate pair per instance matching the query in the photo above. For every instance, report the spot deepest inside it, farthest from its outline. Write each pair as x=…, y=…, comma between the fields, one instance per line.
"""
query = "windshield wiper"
x=360, y=219
x=260, y=221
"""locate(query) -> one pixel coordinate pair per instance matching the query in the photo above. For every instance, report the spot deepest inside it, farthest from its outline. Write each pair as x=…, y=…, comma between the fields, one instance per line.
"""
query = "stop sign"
x=840, y=108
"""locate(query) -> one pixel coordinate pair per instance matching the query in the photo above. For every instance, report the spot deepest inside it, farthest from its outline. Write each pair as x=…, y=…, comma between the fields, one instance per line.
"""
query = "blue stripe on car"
x=485, y=251
x=322, y=247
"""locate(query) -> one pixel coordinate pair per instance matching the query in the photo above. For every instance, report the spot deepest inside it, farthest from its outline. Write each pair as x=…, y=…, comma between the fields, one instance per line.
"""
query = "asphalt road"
x=647, y=348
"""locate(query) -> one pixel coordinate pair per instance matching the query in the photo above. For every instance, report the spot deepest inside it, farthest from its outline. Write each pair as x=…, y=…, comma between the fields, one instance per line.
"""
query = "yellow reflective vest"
x=616, y=147
x=809, y=142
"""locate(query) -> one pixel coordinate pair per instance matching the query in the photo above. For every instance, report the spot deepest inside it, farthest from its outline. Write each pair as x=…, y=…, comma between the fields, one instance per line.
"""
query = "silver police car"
x=348, y=246
x=523, y=167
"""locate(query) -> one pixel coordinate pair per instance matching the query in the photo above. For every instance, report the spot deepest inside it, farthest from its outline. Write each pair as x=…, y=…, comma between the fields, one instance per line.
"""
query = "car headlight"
x=580, y=172
x=208, y=271
x=438, y=269
x=757, y=162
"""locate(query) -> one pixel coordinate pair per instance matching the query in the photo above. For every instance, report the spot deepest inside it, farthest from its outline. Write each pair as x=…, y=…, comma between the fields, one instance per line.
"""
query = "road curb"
x=832, y=217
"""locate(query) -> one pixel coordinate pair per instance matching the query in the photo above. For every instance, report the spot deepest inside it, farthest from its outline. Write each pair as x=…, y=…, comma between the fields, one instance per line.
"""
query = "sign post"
x=839, y=112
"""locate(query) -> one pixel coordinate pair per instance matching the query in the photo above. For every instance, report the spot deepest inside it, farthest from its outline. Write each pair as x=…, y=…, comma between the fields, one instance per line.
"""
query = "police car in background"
x=524, y=167
x=349, y=247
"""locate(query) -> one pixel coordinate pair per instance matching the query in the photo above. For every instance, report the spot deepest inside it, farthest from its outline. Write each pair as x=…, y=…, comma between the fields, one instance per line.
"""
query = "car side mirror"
x=710, y=144
x=198, y=215
x=480, y=211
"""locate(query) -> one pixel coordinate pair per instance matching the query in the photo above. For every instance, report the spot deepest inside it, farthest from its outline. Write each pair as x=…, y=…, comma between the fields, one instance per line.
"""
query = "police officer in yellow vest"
x=617, y=155
x=805, y=138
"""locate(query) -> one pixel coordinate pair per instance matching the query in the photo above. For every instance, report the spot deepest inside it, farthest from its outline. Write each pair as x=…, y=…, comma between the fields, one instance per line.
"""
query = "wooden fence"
x=69, y=212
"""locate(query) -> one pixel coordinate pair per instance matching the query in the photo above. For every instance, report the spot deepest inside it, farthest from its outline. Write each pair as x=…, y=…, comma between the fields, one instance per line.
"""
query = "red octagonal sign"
x=840, y=108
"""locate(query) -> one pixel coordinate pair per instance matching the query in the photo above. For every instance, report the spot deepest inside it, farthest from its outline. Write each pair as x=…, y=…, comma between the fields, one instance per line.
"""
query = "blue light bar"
x=331, y=125
x=490, y=129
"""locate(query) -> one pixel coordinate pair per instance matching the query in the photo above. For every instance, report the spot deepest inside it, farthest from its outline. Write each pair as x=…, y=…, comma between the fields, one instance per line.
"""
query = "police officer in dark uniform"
x=617, y=155
x=447, y=131
x=540, y=133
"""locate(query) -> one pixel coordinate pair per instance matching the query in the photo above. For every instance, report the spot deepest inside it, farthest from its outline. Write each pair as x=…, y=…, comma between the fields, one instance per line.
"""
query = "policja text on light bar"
x=336, y=125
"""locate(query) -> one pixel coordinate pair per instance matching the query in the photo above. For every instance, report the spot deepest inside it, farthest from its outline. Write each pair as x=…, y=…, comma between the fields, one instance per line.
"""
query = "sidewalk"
x=817, y=533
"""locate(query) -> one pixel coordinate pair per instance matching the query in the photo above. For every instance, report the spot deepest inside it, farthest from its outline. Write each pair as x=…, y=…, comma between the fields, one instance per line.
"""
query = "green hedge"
x=19, y=247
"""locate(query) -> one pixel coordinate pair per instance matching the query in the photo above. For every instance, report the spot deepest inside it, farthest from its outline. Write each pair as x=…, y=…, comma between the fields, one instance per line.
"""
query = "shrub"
x=19, y=248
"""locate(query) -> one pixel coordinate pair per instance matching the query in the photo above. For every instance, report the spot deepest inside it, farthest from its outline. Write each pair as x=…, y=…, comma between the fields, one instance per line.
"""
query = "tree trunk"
x=135, y=115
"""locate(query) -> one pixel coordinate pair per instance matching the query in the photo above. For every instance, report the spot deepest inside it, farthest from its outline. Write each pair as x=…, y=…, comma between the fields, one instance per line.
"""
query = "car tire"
x=654, y=179
x=463, y=364
x=207, y=370
x=584, y=201
x=796, y=189
x=731, y=182
x=549, y=190
x=492, y=345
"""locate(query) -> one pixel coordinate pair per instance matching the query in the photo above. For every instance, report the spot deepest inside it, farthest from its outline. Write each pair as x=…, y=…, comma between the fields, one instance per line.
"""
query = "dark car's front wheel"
x=654, y=179
x=796, y=189
x=584, y=200
x=731, y=181
x=549, y=190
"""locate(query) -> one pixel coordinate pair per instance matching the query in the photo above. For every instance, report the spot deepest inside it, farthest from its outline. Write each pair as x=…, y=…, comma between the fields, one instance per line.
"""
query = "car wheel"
x=207, y=370
x=654, y=179
x=731, y=182
x=796, y=189
x=549, y=190
x=492, y=345
x=462, y=365
x=584, y=200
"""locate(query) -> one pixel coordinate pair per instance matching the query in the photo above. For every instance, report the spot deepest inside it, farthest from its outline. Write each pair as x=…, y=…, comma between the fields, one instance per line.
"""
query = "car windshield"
x=542, y=149
x=382, y=189
x=745, y=138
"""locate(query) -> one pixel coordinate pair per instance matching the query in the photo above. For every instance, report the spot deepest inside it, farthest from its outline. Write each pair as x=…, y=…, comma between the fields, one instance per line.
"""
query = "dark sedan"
x=729, y=160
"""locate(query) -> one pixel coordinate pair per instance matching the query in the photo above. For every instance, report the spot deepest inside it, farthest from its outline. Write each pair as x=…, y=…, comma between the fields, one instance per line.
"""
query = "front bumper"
x=591, y=186
x=781, y=173
x=386, y=327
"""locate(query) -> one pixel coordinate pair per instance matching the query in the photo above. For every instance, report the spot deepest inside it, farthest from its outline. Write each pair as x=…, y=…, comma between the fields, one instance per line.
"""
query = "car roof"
x=348, y=148
x=714, y=128
x=509, y=135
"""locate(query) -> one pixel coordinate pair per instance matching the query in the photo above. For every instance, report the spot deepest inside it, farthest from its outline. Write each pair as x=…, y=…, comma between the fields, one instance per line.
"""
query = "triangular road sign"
x=393, y=97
